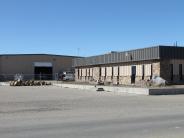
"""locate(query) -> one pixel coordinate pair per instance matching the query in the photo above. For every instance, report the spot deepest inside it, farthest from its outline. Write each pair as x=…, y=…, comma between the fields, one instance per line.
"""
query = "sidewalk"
x=128, y=89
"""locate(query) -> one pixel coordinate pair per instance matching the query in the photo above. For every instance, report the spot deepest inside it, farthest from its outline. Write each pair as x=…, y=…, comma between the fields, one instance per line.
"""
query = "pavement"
x=53, y=112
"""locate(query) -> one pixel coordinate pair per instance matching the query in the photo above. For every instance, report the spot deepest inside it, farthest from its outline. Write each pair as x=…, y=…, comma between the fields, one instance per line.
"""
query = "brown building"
x=133, y=67
x=34, y=66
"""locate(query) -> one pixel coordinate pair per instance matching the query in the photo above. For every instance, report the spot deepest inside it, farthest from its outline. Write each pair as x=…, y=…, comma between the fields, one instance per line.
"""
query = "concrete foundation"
x=128, y=90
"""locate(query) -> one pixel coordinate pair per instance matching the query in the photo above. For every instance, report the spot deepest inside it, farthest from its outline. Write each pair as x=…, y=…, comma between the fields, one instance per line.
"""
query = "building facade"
x=133, y=67
x=34, y=66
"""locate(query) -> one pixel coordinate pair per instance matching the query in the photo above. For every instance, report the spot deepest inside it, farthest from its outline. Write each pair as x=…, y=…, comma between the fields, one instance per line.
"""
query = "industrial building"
x=34, y=66
x=133, y=67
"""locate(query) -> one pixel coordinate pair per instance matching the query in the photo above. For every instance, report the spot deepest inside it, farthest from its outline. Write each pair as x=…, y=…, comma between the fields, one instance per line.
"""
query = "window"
x=151, y=72
x=81, y=72
x=133, y=75
x=142, y=72
x=180, y=72
x=112, y=72
x=86, y=70
x=78, y=73
x=171, y=72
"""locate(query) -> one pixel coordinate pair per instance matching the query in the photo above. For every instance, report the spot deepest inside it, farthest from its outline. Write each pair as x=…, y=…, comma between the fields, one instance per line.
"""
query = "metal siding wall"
x=171, y=52
x=137, y=55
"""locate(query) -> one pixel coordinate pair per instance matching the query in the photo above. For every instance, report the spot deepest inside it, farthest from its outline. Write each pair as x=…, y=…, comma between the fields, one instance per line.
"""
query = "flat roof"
x=142, y=54
x=39, y=55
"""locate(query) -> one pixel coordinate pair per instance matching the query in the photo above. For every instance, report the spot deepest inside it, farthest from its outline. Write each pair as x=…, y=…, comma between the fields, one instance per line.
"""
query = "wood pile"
x=29, y=83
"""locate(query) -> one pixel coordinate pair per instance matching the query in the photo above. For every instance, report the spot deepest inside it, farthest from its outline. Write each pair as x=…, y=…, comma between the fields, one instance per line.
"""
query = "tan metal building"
x=134, y=66
x=34, y=66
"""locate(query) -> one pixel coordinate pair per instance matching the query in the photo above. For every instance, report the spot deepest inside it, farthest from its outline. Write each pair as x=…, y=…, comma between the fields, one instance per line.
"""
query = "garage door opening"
x=43, y=71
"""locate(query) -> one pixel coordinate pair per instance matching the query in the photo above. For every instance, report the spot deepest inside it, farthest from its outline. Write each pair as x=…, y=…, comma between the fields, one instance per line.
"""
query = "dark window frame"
x=143, y=70
x=180, y=72
x=171, y=72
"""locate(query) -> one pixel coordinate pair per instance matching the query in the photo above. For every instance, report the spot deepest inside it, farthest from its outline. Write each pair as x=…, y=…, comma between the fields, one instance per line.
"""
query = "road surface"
x=53, y=112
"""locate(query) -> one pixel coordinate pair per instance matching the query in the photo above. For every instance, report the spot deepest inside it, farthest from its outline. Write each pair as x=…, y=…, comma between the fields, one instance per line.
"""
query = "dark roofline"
x=39, y=55
x=170, y=46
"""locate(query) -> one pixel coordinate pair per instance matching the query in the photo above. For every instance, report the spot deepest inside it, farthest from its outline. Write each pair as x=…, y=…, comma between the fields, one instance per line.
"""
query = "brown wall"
x=166, y=71
x=159, y=68
x=108, y=74
x=13, y=64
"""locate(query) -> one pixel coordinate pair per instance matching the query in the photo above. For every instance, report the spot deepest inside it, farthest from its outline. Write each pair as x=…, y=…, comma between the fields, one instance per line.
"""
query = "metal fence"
x=10, y=77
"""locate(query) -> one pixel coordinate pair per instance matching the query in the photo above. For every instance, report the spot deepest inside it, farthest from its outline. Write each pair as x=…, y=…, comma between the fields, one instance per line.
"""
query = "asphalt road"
x=52, y=112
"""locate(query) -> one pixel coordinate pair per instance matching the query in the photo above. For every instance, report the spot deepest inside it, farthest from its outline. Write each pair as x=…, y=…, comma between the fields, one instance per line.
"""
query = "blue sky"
x=88, y=27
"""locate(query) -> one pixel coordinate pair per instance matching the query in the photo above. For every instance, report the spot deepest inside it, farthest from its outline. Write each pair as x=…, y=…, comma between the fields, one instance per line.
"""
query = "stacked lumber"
x=29, y=83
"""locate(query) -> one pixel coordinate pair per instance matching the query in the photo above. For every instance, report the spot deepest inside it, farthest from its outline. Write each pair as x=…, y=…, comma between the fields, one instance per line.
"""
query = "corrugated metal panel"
x=172, y=52
x=134, y=55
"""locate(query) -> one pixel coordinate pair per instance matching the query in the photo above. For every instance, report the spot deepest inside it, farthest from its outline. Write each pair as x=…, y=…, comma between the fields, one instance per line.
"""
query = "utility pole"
x=78, y=50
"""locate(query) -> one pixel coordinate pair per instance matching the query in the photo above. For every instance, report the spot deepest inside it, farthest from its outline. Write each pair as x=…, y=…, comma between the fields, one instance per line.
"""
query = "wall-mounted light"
x=129, y=55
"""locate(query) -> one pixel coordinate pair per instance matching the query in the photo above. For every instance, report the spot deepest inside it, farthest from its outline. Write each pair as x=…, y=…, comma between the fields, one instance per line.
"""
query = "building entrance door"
x=43, y=71
x=133, y=74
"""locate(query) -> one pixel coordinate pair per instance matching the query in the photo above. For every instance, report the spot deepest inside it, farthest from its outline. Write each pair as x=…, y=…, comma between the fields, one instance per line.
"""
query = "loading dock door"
x=133, y=75
x=43, y=70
